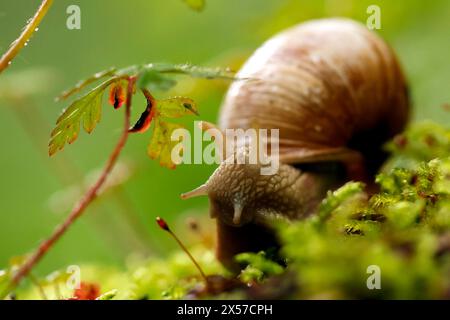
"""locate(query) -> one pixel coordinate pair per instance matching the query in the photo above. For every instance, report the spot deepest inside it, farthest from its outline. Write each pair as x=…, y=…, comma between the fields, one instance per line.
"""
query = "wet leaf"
x=86, y=109
x=190, y=70
x=83, y=83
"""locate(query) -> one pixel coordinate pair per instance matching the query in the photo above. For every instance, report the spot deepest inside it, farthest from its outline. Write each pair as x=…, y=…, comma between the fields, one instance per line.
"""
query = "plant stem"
x=85, y=201
x=25, y=36
x=205, y=278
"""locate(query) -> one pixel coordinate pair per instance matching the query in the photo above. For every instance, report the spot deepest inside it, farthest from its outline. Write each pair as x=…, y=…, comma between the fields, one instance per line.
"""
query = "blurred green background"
x=35, y=190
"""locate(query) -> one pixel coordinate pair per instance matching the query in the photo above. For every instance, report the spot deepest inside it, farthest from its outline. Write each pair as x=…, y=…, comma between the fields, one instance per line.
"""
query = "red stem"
x=85, y=201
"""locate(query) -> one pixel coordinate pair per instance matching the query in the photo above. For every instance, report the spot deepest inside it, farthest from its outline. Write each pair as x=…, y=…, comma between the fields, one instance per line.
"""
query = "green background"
x=121, y=33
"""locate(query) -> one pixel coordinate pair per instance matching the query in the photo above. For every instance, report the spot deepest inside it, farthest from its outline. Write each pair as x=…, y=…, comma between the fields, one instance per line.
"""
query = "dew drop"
x=26, y=43
x=37, y=29
x=9, y=62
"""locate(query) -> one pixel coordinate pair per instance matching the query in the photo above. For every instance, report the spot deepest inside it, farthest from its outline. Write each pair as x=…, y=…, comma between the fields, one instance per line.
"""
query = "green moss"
x=404, y=229
x=258, y=266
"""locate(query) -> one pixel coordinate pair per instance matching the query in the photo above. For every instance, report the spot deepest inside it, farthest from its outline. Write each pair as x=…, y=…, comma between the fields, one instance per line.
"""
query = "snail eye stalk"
x=200, y=191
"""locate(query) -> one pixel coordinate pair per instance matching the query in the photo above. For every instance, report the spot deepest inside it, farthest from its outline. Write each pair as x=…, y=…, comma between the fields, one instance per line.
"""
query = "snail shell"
x=324, y=84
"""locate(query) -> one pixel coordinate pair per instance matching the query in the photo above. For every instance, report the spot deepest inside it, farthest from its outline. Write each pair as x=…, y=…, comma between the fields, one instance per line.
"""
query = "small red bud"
x=162, y=224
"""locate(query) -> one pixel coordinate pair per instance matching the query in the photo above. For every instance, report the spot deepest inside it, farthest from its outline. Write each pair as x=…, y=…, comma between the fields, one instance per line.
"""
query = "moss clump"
x=403, y=230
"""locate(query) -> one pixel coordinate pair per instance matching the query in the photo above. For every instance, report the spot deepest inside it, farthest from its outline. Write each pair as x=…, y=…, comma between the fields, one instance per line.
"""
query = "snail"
x=336, y=92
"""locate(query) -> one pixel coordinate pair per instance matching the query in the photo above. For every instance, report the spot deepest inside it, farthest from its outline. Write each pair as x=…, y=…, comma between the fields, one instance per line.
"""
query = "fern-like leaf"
x=83, y=83
x=87, y=109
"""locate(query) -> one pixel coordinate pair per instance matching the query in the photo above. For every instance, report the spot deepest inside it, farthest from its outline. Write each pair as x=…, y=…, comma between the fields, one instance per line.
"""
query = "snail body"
x=336, y=92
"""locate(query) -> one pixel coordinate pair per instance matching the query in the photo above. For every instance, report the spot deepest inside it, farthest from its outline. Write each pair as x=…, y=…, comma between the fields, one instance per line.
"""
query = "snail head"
x=239, y=194
x=234, y=191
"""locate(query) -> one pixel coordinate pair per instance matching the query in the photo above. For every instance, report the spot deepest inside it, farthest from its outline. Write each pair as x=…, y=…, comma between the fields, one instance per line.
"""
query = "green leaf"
x=191, y=70
x=196, y=5
x=176, y=107
x=161, y=145
x=86, y=109
x=152, y=76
